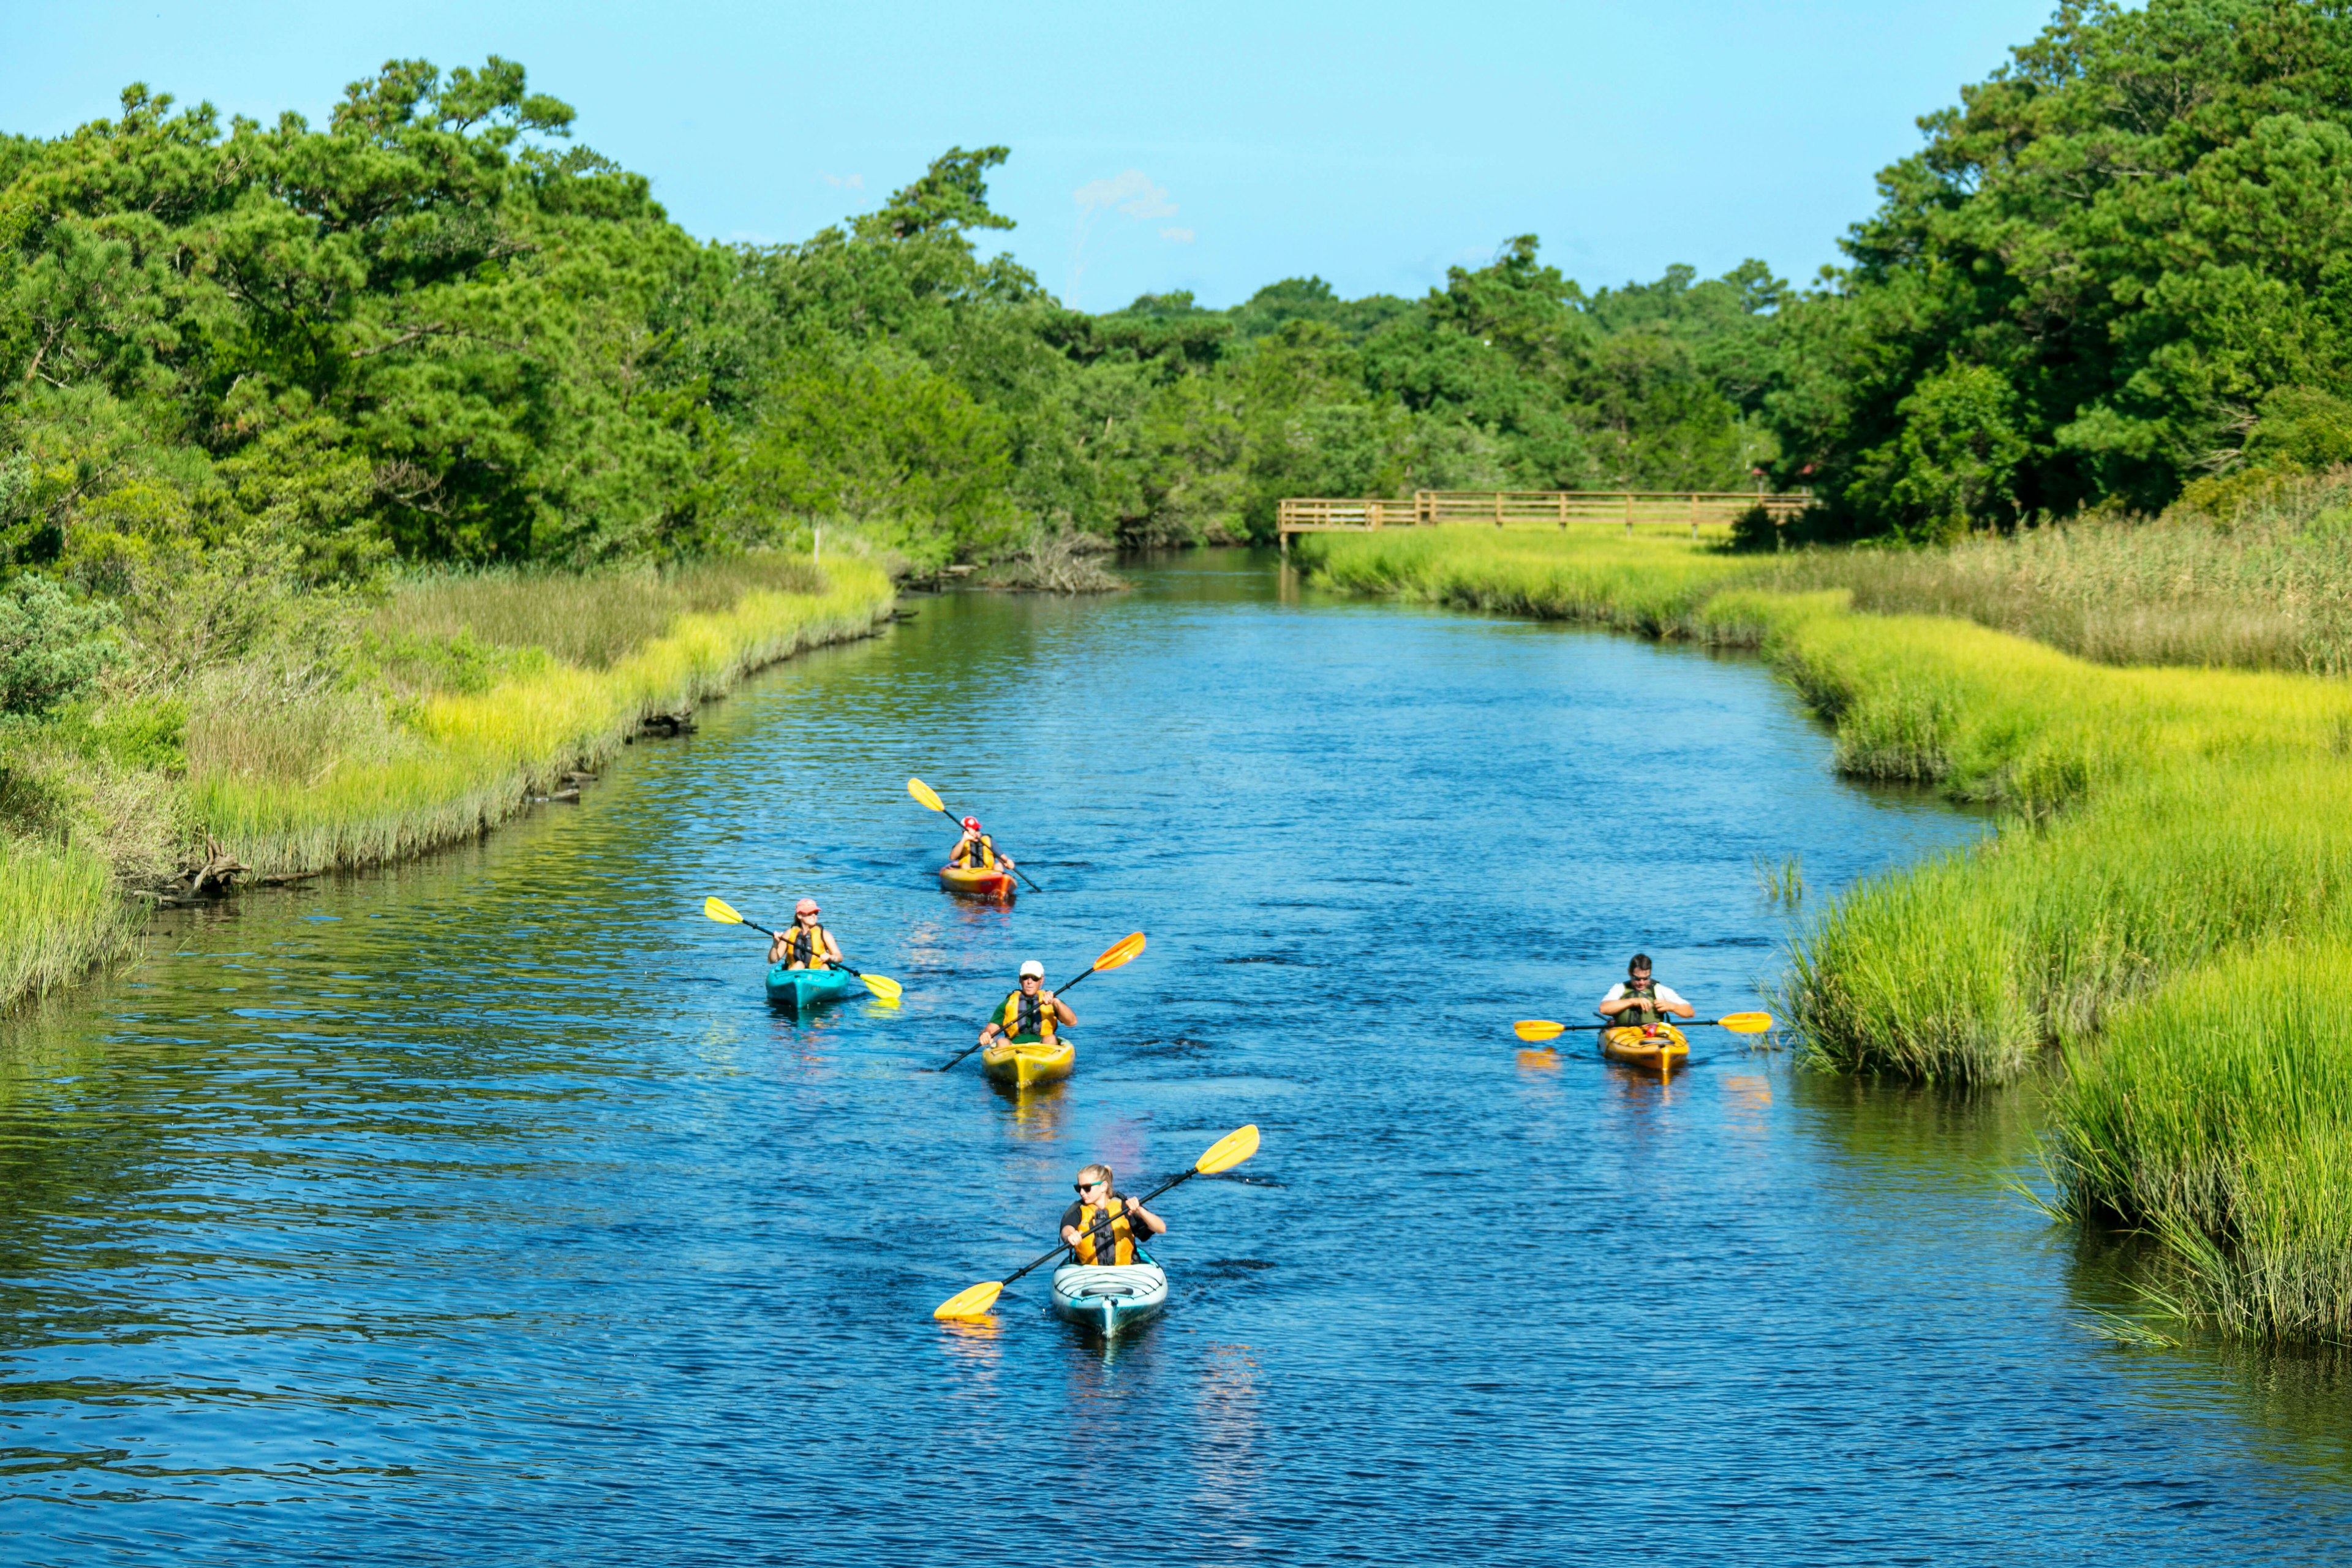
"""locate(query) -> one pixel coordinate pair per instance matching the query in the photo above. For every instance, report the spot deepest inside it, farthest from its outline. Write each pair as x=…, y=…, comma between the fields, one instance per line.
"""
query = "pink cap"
x=805, y=907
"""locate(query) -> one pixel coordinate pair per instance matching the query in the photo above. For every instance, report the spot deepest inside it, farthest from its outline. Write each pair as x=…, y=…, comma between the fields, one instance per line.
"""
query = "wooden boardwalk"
x=1693, y=509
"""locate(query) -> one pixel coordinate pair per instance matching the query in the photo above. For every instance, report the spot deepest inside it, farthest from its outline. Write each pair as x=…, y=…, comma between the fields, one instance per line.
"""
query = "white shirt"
x=1666, y=995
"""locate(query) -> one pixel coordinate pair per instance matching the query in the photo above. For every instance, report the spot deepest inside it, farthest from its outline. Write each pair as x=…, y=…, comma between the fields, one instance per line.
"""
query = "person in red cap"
x=805, y=944
x=977, y=851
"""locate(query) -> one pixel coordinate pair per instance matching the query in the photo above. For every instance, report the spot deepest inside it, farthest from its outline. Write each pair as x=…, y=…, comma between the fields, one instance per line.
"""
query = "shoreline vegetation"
x=435, y=715
x=2167, y=906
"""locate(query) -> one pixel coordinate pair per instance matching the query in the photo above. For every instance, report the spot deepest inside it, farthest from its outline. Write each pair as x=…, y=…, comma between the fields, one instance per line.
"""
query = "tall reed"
x=59, y=915
x=2217, y=1113
x=351, y=778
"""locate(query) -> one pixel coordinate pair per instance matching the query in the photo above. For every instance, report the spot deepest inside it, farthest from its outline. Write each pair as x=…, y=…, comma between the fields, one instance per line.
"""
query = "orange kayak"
x=977, y=884
x=1661, y=1049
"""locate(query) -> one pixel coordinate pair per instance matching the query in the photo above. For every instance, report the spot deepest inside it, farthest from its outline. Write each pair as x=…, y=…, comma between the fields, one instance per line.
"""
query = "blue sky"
x=1214, y=146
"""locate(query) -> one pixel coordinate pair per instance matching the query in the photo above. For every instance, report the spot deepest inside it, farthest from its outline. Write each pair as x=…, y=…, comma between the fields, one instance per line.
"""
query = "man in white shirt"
x=1639, y=1003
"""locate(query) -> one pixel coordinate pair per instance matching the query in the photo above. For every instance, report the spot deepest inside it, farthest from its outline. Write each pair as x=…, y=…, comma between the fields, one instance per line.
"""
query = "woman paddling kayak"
x=802, y=964
x=1109, y=1282
x=804, y=944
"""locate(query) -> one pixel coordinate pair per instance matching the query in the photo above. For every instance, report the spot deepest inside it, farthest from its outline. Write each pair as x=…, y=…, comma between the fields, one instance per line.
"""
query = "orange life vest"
x=1027, y=1017
x=804, y=947
x=1120, y=1231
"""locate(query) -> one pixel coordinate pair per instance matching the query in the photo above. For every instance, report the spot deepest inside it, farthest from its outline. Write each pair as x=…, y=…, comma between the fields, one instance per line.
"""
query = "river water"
x=479, y=1210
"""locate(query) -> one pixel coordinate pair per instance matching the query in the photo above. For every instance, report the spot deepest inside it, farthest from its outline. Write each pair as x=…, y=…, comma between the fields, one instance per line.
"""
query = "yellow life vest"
x=1120, y=1231
x=980, y=854
x=804, y=947
x=1027, y=1017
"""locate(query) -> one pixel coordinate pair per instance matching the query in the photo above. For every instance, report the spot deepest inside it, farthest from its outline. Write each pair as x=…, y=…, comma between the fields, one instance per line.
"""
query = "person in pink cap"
x=804, y=944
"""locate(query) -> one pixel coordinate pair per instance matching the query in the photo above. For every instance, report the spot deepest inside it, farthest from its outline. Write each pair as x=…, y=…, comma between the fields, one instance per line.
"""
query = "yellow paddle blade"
x=972, y=1303
x=925, y=794
x=1537, y=1028
x=882, y=985
x=1746, y=1023
x=1120, y=951
x=1228, y=1152
x=716, y=910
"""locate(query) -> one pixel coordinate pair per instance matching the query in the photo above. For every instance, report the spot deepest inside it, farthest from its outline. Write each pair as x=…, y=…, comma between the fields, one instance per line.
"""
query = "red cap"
x=805, y=907
x=973, y=822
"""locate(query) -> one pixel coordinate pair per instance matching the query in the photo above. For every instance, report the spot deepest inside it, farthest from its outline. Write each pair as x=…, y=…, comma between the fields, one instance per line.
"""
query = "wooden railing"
x=1502, y=507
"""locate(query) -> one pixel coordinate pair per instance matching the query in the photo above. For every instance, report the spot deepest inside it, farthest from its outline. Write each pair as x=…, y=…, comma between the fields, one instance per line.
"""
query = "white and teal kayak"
x=802, y=989
x=1107, y=1297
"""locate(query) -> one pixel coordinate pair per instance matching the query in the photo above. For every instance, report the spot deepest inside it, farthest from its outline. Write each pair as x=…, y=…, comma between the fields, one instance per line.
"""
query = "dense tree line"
x=2120, y=268
x=434, y=329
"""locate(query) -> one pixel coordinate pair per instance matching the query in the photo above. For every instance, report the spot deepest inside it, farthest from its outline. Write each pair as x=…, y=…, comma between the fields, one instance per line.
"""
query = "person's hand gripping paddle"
x=1114, y=955
x=925, y=795
x=1533, y=1029
x=1222, y=1155
x=882, y=985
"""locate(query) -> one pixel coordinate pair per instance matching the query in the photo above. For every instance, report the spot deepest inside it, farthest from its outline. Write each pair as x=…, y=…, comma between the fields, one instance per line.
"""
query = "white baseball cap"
x=1032, y=967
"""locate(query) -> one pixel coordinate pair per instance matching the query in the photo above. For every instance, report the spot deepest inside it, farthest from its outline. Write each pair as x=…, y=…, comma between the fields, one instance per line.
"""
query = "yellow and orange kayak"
x=1661, y=1048
x=977, y=884
x=1024, y=1062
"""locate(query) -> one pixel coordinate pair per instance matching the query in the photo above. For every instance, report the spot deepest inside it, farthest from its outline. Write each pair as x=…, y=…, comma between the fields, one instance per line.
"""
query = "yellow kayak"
x=1661, y=1048
x=1026, y=1062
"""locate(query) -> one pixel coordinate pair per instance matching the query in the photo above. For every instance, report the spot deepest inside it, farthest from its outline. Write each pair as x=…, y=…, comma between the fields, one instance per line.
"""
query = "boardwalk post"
x=1629, y=514
x=1499, y=508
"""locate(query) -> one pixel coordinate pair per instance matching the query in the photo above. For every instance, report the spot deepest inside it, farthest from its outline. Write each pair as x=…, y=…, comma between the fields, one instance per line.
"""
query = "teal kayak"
x=1106, y=1298
x=802, y=989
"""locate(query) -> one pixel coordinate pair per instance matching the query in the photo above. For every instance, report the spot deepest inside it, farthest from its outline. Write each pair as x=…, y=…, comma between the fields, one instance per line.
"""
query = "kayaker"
x=1103, y=1227
x=1638, y=1001
x=1031, y=1013
x=804, y=944
x=976, y=851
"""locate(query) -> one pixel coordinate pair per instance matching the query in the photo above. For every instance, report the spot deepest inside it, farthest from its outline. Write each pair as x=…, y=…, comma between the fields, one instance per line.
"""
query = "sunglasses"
x=1088, y=1186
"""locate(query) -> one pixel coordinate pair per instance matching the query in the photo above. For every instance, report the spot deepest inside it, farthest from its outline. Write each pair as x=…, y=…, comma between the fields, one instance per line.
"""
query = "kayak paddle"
x=926, y=796
x=882, y=985
x=1114, y=955
x=1738, y=1023
x=1222, y=1155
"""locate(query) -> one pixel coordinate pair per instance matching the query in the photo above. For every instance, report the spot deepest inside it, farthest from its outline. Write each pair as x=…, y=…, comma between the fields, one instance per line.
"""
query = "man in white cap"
x=805, y=944
x=1029, y=1014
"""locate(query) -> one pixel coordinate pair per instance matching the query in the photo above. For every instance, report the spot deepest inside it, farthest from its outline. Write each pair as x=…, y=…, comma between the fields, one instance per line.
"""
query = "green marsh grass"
x=352, y=777
x=1647, y=582
x=2216, y=1113
x=440, y=715
x=60, y=914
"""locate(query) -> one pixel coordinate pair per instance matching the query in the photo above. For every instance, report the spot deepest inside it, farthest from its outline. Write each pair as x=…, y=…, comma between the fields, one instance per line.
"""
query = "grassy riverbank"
x=2169, y=826
x=435, y=715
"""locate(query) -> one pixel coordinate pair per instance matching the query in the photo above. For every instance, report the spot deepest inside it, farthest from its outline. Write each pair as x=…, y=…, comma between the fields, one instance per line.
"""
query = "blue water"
x=479, y=1210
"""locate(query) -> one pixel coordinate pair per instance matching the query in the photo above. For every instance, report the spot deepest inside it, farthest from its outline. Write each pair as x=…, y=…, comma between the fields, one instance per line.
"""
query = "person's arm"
x=988, y=1031
x=833, y=947
x=1670, y=1003
x=776, y=948
x=1070, y=1217
x=1614, y=1003
x=1061, y=1008
x=1152, y=1224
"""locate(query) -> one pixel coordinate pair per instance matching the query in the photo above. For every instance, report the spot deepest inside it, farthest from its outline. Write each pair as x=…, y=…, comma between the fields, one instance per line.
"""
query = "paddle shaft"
x=976, y=1044
x=1017, y=871
x=1171, y=1182
x=1674, y=1022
